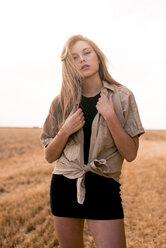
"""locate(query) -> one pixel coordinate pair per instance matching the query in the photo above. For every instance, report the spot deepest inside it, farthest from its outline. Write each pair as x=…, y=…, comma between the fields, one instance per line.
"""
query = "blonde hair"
x=72, y=80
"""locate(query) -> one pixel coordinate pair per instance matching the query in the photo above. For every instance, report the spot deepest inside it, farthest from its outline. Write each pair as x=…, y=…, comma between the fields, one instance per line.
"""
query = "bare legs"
x=69, y=232
x=106, y=233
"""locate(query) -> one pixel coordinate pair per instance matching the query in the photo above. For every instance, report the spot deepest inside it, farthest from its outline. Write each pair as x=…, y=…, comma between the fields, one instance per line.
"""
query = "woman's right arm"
x=73, y=123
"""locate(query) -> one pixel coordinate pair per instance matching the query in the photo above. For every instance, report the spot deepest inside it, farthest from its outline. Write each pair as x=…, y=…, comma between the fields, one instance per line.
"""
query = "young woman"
x=92, y=126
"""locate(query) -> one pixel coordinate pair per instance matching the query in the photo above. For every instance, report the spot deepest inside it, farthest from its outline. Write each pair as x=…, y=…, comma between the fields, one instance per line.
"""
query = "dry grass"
x=25, y=218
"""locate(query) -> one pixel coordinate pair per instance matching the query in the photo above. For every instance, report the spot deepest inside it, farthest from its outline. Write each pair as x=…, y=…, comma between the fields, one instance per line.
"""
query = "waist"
x=89, y=177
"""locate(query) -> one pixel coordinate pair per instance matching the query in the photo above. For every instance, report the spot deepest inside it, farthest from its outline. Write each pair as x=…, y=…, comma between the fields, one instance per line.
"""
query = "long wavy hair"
x=72, y=80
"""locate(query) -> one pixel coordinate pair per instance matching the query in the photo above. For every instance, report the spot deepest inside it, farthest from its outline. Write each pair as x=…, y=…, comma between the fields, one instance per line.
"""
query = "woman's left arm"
x=127, y=145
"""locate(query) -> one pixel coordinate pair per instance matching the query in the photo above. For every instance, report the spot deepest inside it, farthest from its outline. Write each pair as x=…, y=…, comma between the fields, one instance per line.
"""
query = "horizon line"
x=36, y=127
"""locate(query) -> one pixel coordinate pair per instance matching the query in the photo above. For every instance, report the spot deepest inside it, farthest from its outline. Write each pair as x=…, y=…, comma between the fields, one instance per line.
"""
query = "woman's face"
x=85, y=58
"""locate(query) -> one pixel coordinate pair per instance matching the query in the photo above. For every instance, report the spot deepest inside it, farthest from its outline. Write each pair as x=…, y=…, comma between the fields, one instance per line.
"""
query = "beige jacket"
x=104, y=157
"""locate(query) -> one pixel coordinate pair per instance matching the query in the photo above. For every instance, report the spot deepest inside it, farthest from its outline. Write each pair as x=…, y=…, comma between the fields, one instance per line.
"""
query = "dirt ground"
x=25, y=217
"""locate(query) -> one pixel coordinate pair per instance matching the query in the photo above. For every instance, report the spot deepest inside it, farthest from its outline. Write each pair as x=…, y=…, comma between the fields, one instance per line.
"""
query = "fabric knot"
x=92, y=166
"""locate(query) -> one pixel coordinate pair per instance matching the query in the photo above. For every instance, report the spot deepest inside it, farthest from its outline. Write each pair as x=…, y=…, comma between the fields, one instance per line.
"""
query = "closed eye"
x=75, y=57
x=86, y=53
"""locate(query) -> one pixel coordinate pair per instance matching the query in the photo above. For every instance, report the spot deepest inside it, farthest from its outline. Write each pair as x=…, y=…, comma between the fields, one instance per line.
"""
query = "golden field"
x=25, y=217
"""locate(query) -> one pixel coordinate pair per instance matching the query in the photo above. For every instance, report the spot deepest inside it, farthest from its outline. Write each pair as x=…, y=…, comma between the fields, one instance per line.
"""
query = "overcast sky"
x=32, y=33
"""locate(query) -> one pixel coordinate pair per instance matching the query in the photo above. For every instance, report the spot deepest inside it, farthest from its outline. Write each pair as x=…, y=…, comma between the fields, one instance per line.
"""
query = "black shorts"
x=102, y=199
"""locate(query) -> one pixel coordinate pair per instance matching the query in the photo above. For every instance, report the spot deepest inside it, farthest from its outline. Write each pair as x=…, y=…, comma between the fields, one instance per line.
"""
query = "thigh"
x=69, y=231
x=108, y=233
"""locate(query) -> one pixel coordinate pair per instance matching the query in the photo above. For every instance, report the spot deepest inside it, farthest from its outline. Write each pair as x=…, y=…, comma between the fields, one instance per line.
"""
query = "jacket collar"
x=104, y=89
x=107, y=85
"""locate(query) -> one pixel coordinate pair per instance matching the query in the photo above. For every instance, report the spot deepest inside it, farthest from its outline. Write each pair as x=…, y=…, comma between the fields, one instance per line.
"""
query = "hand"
x=105, y=106
x=74, y=122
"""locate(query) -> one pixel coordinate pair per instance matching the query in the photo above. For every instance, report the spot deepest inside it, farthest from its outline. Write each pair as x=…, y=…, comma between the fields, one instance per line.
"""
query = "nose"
x=82, y=58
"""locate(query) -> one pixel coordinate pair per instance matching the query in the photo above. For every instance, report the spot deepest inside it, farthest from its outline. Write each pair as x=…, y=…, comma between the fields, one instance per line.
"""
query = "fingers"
x=78, y=120
x=75, y=111
x=79, y=116
x=104, y=97
x=78, y=112
x=72, y=112
x=111, y=95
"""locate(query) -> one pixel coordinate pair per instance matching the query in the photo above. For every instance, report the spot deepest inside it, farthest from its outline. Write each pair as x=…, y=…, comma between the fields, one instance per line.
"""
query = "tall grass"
x=25, y=217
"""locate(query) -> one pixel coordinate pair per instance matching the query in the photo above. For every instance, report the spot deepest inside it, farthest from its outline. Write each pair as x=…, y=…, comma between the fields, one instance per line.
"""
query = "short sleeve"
x=133, y=125
x=50, y=127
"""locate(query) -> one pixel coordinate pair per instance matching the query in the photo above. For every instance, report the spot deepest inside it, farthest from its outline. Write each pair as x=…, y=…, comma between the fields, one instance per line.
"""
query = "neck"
x=91, y=86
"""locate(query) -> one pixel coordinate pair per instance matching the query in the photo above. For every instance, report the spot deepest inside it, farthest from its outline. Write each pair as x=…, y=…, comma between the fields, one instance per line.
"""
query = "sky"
x=131, y=33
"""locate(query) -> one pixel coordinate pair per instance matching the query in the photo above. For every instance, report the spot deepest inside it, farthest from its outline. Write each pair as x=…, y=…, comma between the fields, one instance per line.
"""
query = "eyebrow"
x=83, y=49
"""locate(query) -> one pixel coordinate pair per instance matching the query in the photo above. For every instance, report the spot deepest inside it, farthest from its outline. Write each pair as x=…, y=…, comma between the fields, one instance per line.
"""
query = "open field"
x=25, y=218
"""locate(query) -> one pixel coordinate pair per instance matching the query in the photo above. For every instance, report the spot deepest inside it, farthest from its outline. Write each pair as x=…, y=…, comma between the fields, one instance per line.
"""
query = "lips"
x=84, y=67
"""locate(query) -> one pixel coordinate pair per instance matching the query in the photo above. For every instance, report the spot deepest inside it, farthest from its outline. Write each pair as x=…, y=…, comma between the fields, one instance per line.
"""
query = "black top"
x=88, y=106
